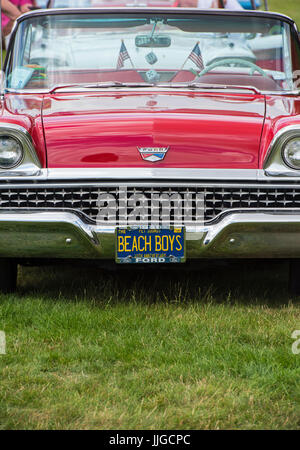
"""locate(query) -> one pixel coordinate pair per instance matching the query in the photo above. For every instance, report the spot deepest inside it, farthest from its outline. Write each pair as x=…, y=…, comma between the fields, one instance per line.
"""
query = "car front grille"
x=216, y=199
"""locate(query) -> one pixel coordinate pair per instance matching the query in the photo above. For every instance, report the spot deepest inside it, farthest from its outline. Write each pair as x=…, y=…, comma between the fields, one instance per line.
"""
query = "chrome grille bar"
x=217, y=198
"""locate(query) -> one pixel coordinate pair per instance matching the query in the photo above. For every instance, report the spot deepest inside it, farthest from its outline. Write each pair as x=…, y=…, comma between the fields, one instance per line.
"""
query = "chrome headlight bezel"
x=284, y=150
x=30, y=164
x=275, y=164
x=19, y=159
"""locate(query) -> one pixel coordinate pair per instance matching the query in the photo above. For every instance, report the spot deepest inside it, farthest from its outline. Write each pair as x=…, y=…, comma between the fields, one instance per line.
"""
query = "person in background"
x=226, y=4
x=207, y=4
x=12, y=9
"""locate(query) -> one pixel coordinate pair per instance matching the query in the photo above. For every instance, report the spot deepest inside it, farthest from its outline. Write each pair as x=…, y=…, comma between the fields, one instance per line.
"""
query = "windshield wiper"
x=192, y=85
x=195, y=85
x=103, y=85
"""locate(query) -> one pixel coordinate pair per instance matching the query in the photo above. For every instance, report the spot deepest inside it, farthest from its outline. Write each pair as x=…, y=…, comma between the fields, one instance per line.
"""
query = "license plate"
x=148, y=245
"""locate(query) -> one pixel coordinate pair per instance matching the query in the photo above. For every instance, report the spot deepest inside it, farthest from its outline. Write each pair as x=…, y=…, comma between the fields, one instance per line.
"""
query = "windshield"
x=138, y=48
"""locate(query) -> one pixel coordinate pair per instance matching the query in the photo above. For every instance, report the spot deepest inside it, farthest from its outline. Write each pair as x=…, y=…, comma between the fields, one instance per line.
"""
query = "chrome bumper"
x=32, y=234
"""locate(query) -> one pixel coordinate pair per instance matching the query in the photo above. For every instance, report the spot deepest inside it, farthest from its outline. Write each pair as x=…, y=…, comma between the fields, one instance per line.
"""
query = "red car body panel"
x=103, y=129
x=202, y=130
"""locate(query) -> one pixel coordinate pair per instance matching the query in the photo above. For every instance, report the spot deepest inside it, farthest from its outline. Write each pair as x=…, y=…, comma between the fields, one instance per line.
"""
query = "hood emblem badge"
x=153, y=154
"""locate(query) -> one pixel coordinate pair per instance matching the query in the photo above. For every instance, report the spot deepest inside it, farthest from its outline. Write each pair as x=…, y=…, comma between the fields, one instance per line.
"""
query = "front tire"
x=294, y=277
x=8, y=276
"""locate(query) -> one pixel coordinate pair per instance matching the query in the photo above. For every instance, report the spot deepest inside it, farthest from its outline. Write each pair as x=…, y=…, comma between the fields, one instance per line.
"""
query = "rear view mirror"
x=158, y=40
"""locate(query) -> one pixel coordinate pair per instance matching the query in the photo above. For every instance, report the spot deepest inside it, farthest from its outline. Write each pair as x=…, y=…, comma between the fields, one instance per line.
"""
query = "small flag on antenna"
x=196, y=56
x=123, y=55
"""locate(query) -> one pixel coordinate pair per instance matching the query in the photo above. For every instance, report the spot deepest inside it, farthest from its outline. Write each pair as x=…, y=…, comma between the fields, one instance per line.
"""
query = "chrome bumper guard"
x=238, y=234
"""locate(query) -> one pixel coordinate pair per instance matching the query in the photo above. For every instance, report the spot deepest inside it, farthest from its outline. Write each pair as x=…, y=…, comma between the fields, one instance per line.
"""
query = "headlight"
x=291, y=153
x=11, y=152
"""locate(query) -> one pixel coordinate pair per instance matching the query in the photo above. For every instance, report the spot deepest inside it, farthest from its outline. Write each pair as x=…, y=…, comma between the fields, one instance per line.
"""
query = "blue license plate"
x=149, y=245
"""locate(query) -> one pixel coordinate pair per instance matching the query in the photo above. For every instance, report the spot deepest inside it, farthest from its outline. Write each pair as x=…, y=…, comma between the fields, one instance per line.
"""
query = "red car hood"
x=201, y=130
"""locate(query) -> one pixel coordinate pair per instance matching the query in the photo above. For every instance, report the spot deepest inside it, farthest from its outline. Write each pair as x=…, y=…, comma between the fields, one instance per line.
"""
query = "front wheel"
x=8, y=276
x=294, y=277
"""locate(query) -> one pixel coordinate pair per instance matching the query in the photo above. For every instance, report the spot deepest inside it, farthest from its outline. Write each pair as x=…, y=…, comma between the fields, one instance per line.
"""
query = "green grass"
x=289, y=7
x=199, y=349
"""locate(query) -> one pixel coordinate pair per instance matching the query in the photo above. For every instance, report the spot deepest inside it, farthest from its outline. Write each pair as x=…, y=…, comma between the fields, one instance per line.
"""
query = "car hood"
x=106, y=129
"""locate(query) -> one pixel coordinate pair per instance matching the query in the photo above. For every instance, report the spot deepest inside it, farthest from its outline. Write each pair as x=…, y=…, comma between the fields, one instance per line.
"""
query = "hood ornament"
x=153, y=154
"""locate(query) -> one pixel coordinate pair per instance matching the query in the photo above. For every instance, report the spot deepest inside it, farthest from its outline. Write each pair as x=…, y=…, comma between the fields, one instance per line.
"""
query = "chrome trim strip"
x=135, y=173
x=227, y=90
x=155, y=173
x=64, y=235
x=239, y=184
x=123, y=174
x=30, y=165
x=152, y=173
x=154, y=10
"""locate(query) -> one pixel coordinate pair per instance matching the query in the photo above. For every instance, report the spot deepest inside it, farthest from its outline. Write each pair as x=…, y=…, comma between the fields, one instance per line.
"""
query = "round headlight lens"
x=11, y=152
x=291, y=153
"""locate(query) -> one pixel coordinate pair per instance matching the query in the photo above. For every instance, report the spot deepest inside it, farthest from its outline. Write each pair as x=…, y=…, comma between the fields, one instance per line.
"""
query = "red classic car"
x=150, y=136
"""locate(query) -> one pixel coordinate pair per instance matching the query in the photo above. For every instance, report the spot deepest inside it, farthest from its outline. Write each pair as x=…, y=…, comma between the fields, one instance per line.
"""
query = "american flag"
x=196, y=56
x=123, y=55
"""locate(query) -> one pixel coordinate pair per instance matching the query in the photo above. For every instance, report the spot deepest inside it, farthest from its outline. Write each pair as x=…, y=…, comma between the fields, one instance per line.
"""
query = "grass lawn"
x=204, y=349
x=289, y=7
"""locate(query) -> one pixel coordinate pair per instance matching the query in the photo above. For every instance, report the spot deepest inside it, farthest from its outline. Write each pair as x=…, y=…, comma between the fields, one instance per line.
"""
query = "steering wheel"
x=242, y=62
